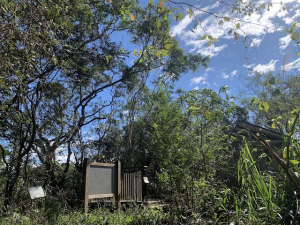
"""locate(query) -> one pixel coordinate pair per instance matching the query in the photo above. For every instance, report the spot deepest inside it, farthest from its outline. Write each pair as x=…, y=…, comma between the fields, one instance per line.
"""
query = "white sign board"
x=36, y=192
x=146, y=180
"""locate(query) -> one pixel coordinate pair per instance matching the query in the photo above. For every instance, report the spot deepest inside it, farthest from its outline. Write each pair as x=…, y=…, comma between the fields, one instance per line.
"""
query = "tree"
x=181, y=136
x=275, y=99
x=59, y=62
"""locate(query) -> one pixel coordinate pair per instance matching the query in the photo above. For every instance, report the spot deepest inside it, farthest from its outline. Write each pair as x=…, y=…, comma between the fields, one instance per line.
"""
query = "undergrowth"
x=132, y=216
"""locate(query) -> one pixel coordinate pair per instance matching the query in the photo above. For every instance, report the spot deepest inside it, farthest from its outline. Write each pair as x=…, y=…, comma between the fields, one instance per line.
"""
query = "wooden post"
x=118, y=184
x=86, y=178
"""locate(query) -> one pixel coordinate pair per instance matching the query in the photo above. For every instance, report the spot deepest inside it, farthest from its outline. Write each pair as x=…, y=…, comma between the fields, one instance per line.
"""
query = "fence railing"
x=134, y=184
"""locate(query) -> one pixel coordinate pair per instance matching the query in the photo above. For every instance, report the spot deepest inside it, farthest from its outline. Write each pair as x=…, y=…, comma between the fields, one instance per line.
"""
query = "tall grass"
x=261, y=198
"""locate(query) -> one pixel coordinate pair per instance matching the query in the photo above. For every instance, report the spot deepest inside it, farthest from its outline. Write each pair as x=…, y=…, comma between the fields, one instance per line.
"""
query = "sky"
x=267, y=47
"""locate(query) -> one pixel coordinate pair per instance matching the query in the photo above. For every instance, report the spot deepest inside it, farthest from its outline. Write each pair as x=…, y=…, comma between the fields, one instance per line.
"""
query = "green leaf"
x=180, y=15
x=168, y=46
x=206, y=114
x=209, y=43
x=284, y=154
x=190, y=12
x=236, y=36
x=274, y=125
x=294, y=27
x=204, y=37
x=193, y=108
x=295, y=112
x=298, y=53
x=158, y=54
x=226, y=18
x=238, y=26
x=108, y=57
x=264, y=106
x=135, y=52
x=287, y=31
x=295, y=36
x=158, y=24
x=175, y=17
x=164, y=52
x=295, y=162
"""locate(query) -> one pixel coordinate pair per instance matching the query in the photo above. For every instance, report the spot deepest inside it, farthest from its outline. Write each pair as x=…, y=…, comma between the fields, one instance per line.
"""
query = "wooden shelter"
x=243, y=128
x=262, y=157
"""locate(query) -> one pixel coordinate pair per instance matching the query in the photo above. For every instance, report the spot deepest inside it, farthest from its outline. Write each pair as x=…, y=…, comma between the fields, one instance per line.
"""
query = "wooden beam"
x=102, y=196
x=102, y=164
x=118, y=184
x=86, y=178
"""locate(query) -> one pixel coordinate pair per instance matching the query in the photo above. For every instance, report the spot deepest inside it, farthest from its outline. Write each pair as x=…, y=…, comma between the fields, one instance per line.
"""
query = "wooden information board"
x=101, y=180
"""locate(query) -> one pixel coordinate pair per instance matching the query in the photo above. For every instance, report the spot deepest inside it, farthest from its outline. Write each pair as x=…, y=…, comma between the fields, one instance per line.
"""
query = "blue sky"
x=268, y=47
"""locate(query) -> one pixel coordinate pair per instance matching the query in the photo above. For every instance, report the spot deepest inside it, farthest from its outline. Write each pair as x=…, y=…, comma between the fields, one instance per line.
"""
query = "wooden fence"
x=133, y=184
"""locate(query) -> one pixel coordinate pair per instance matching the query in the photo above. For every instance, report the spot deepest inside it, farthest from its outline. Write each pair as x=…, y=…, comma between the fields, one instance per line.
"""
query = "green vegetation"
x=132, y=216
x=70, y=89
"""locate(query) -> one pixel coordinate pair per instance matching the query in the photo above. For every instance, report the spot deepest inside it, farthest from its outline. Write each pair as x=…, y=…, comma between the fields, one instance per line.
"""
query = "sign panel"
x=36, y=192
x=102, y=180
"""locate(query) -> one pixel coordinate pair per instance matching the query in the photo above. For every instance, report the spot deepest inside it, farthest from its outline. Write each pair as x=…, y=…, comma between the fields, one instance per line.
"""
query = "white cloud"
x=284, y=42
x=255, y=26
x=233, y=73
x=264, y=68
x=179, y=29
x=211, y=51
x=290, y=20
x=196, y=88
x=255, y=42
x=224, y=75
x=197, y=80
x=181, y=26
x=293, y=65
